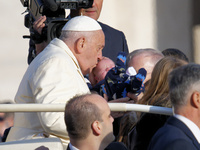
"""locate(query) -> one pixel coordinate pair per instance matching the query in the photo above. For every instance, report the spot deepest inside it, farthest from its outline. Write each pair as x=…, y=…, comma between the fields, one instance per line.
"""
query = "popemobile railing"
x=124, y=107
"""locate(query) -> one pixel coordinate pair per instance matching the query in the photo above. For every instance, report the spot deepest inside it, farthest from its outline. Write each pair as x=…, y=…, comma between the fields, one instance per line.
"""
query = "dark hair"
x=79, y=115
x=175, y=53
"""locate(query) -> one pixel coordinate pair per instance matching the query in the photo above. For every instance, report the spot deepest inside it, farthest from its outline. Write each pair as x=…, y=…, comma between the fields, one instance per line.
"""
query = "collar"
x=72, y=147
x=191, y=125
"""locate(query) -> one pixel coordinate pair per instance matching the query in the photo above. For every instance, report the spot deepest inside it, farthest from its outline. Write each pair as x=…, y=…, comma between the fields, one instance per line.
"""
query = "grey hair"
x=147, y=51
x=72, y=36
x=181, y=81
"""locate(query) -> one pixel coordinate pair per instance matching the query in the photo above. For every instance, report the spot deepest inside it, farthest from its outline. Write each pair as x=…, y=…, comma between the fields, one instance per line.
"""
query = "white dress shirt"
x=191, y=125
x=72, y=147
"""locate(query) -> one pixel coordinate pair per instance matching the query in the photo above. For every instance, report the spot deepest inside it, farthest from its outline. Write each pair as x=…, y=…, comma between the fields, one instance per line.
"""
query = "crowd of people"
x=89, y=66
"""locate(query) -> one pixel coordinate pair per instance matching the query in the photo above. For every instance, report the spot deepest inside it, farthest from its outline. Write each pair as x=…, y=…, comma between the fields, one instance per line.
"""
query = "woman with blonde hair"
x=158, y=91
x=157, y=94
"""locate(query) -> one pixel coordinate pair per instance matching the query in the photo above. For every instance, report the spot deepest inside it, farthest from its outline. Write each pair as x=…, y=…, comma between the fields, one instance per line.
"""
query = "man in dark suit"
x=115, y=40
x=181, y=131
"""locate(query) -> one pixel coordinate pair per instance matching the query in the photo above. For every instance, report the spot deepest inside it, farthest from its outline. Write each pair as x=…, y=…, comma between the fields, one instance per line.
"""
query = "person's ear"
x=196, y=99
x=81, y=44
x=96, y=127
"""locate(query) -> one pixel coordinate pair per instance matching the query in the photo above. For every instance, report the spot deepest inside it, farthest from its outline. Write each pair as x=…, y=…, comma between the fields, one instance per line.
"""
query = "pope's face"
x=94, y=51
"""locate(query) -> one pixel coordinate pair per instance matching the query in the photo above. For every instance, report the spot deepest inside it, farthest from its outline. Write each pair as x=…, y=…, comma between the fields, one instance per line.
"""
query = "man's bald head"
x=144, y=58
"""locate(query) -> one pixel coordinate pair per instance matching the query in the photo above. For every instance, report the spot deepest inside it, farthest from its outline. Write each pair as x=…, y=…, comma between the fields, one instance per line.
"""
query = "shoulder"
x=180, y=144
x=56, y=50
x=171, y=127
x=52, y=59
x=170, y=134
x=172, y=145
x=107, y=28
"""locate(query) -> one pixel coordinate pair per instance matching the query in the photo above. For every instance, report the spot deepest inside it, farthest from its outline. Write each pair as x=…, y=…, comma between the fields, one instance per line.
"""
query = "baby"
x=113, y=81
x=100, y=71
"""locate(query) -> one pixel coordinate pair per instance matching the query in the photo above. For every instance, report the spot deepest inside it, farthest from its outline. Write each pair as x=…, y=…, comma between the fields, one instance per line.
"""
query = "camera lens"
x=54, y=29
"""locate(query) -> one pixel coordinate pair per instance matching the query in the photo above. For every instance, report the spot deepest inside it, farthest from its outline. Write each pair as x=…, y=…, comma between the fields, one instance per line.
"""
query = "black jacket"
x=140, y=136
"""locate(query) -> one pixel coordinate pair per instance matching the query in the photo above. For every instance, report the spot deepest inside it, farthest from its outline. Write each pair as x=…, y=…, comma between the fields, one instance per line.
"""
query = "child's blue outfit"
x=117, y=83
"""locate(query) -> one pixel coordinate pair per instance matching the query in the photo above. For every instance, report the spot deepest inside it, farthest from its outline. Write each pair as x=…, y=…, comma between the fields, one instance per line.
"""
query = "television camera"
x=54, y=10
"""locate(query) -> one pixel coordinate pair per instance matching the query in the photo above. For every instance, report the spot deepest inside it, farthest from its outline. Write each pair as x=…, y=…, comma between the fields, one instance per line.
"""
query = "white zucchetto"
x=81, y=23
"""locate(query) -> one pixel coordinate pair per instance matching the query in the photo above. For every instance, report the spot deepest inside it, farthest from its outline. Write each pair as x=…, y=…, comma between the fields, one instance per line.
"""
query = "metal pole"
x=61, y=107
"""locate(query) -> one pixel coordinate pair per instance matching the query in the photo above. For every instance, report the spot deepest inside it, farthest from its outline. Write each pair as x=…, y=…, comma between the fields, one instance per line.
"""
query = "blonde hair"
x=158, y=91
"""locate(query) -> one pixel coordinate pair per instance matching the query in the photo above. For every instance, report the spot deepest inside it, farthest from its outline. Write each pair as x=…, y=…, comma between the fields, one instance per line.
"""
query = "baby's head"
x=103, y=66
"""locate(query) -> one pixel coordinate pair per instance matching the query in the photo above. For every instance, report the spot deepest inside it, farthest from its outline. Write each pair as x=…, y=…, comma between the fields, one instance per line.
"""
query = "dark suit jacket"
x=174, y=135
x=140, y=136
x=116, y=146
x=115, y=42
x=68, y=148
x=112, y=146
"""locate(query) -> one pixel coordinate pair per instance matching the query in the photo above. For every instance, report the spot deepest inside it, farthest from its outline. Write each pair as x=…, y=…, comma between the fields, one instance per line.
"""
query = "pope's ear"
x=81, y=44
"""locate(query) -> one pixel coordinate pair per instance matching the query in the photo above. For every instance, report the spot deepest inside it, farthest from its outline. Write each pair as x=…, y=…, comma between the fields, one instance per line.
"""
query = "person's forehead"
x=142, y=55
x=107, y=61
x=142, y=61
